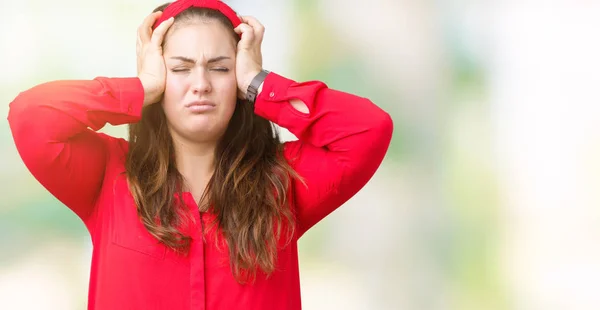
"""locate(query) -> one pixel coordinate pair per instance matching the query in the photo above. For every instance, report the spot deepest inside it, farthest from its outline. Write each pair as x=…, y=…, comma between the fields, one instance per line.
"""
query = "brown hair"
x=248, y=191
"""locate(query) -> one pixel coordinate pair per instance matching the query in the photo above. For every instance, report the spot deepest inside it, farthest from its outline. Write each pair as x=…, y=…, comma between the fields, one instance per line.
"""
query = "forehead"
x=199, y=38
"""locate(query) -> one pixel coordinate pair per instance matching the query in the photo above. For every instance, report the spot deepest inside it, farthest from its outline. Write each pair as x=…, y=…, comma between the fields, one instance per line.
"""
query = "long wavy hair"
x=248, y=191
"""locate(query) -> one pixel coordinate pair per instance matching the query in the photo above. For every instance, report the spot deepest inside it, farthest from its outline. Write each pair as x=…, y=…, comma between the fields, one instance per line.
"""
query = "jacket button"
x=272, y=94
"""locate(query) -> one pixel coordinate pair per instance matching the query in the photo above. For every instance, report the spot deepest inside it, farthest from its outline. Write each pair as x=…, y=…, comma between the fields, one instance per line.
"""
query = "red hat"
x=179, y=6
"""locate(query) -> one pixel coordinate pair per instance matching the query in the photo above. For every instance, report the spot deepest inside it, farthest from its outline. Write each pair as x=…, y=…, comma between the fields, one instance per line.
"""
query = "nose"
x=201, y=83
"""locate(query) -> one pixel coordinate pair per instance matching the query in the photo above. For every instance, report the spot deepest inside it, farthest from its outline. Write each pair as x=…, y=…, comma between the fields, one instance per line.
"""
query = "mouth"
x=201, y=106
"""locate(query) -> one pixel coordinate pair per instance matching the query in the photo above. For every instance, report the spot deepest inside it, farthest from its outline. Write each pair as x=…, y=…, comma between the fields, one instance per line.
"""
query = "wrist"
x=150, y=95
x=248, y=80
x=255, y=85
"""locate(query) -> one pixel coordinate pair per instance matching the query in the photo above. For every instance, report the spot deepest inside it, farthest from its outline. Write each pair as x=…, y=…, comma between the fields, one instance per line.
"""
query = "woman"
x=203, y=206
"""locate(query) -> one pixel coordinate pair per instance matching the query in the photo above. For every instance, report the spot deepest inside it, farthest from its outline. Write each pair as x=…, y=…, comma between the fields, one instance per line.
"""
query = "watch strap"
x=252, y=90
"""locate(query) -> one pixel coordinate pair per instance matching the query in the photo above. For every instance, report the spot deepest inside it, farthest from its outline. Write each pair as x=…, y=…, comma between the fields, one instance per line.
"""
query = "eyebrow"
x=193, y=61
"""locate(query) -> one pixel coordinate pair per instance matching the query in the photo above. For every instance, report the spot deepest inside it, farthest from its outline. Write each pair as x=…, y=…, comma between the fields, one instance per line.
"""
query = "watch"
x=252, y=90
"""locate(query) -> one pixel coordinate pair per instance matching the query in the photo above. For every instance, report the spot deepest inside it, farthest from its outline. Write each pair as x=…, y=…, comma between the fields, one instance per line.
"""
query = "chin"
x=202, y=131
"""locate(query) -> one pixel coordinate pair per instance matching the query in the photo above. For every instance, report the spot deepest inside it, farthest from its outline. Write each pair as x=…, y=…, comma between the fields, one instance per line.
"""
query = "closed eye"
x=221, y=69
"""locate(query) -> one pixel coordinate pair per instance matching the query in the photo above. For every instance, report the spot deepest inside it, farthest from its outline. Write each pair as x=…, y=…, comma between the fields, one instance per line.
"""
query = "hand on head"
x=151, y=68
x=249, y=55
x=150, y=62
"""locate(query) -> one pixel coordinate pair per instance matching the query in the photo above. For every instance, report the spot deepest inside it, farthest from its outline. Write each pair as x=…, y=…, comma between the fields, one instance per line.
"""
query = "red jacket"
x=342, y=142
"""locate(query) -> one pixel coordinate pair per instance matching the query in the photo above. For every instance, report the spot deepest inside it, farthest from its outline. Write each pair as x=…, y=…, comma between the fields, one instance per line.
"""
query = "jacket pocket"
x=128, y=231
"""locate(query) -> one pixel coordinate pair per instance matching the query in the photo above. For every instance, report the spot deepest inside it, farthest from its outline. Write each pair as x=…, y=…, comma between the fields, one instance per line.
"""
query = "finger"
x=138, y=42
x=254, y=23
x=259, y=29
x=138, y=49
x=145, y=29
x=247, y=33
x=159, y=33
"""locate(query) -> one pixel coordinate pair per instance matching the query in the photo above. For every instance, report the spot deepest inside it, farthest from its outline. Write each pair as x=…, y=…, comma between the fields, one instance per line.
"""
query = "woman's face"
x=201, y=88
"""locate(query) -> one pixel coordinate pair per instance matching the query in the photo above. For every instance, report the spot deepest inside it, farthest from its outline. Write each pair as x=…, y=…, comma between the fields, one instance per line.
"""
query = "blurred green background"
x=487, y=198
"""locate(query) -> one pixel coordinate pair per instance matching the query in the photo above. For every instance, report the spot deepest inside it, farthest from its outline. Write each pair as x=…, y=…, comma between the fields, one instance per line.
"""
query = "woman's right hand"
x=150, y=62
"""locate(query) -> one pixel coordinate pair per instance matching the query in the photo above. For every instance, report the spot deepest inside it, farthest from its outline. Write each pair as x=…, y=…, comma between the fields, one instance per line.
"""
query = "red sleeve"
x=51, y=124
x=342, y=141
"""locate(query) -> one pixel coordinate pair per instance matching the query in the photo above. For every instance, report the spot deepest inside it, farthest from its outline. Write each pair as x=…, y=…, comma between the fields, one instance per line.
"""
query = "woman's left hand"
x=248, y=61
